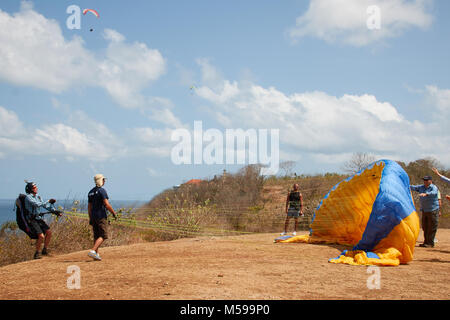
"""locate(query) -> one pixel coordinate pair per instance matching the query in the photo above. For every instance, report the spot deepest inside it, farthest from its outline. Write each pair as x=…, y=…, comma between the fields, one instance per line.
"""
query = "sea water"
x=7, y=207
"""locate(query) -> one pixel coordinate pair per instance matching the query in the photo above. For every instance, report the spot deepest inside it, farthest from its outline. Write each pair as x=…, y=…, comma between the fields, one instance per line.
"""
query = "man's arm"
x=37, y=203
x=434, y=191
x=418, y=188
x=287, y=203
x=443, y=178
x=301, y=204
x=109, y=208
x=90, y=212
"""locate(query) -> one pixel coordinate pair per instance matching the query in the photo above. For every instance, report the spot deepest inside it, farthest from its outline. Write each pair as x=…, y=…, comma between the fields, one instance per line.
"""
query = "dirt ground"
x=220, y=268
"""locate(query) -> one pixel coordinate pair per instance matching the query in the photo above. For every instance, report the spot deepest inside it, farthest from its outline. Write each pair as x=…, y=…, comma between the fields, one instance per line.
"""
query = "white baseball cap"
x=98, y=179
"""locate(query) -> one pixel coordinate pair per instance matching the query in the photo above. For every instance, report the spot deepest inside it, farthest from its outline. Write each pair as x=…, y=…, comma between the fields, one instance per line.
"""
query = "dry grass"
x=68, y=235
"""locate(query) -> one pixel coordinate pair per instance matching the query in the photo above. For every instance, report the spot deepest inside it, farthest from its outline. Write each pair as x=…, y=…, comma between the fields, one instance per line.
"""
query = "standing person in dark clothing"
x=429, y=205
x=294, y=208
x=97, y=205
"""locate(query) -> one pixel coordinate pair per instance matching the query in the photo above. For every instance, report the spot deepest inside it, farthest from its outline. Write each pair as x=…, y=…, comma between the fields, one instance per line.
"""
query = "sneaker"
x=37, y=255
x=283, y=233
x=294, y=233
x=94, y=255
x=44, y=252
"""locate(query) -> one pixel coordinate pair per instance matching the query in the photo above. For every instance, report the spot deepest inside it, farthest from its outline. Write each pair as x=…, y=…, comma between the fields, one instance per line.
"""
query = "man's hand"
x=423, y=194
x=448, y=197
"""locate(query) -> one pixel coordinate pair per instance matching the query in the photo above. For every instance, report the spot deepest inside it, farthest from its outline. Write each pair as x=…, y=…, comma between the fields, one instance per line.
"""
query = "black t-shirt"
x=294, y=200
x=95, y=198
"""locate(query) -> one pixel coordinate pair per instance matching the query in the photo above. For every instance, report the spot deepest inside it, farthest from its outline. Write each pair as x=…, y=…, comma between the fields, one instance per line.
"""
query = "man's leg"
x=434, y=221
x=296, y=224
x=39, y=241
x=425, y=227
x=428, y=218
x=97, y=243
x=48, y=237
x=286, y=224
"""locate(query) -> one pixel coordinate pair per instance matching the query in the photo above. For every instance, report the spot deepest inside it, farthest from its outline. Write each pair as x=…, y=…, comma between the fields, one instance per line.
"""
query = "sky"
x=81, y=95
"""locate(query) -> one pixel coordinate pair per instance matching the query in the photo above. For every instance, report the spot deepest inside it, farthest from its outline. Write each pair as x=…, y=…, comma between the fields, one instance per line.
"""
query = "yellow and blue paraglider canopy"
x=373, y=211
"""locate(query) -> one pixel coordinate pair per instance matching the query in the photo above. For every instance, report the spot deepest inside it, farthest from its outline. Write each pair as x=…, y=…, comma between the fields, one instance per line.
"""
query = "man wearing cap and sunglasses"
x=429, y=205
x=97, y=205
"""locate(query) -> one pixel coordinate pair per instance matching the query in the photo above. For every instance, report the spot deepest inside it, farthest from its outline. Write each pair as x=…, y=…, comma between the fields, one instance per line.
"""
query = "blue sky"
x=74, y=103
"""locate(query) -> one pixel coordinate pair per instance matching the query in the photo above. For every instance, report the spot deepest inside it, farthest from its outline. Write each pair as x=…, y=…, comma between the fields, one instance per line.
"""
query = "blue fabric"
x=34, y=204
x=283, y=238
x=95, y=198
x=430, y=202
x=372, y=255
x=392, y=204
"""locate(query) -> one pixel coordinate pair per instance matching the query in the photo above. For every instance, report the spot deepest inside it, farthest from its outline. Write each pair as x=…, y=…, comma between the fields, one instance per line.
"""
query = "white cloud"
x=65, y=140
x=345, y=21
x=35, y=53
x=128, y=68
x=440, y=98
x=316, y=123
x=10, y=125
x=91, y=140
x=151, y=142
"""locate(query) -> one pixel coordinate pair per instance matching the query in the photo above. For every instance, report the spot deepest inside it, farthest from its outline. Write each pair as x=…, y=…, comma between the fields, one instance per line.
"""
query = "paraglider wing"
x=374, y=212
x=94, y=12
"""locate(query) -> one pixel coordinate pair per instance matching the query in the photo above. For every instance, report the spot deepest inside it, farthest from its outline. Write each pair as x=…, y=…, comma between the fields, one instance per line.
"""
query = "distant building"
x=195, y=182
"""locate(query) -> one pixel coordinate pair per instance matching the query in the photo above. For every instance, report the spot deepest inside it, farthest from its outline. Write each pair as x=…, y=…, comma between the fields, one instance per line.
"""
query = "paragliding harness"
x=23, y=217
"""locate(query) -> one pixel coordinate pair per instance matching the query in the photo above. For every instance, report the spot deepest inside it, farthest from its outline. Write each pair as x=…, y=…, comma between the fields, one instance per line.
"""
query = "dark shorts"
x=38, y=226
x=294, y=213
x=100, y=228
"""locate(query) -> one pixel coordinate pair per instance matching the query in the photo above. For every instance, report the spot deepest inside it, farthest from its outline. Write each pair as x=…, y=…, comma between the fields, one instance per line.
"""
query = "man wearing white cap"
x=97, y=205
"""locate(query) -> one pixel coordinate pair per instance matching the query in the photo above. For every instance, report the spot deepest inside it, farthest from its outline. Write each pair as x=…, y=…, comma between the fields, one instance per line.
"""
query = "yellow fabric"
x=403, y=237
x=343, y=216
x=389, y=257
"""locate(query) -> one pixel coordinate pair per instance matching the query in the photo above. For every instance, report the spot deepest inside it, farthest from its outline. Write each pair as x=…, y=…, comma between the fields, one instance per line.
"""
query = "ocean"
x=7, y=207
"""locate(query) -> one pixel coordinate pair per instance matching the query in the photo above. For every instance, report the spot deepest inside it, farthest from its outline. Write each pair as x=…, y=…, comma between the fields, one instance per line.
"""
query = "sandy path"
x=237, y=267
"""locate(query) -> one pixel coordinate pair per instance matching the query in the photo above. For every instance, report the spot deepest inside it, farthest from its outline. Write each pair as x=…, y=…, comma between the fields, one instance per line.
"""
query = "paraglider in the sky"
x=192, y=89
x=94, y=12
x=373, y=211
